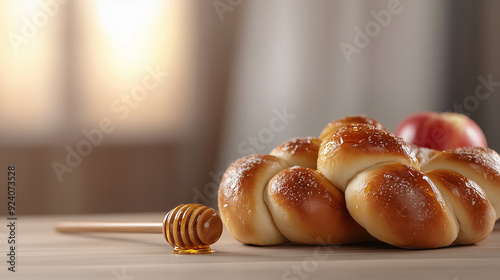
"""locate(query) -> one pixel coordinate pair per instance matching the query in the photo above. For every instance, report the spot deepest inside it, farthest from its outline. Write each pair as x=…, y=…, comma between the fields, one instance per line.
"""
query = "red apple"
x=441, y=131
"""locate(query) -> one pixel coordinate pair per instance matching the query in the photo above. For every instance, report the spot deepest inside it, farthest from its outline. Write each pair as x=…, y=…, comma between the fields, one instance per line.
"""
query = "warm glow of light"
x=127, y=25
x=30, y=65
x=117, y=42
x=25, y=8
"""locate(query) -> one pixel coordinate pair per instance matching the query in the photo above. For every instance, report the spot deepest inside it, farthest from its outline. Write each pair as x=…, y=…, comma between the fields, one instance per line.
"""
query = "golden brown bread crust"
x=423, y=154
x=481, y=165
x=308, y=209
x=399, y=205
x=354, y=119
x=264, y=202
x=300, y=151
x=356, y=147
x=469, y=204
x=241, y=204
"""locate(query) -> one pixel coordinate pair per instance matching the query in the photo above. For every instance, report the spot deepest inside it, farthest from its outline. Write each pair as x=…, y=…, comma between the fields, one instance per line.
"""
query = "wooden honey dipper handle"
x=189, y=228
x=109, y=227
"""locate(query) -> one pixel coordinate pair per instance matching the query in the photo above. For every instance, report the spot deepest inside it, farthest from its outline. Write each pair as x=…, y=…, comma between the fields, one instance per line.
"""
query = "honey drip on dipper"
x=191, y=228
x=188, y=228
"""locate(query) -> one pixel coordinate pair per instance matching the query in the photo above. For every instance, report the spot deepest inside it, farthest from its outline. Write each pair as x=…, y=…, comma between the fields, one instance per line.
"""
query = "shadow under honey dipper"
x=188, y=228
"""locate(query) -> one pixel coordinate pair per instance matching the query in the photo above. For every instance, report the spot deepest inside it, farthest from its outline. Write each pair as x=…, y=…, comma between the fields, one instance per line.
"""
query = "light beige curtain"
x=289, y=56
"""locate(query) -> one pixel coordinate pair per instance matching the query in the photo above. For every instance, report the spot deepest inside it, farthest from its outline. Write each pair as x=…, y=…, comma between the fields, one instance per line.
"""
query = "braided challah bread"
x=358, y=183
x=268, y=200
x=356, y=119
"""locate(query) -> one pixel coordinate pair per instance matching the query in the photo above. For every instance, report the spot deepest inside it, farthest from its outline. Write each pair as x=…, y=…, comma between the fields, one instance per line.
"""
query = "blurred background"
x=131, y=106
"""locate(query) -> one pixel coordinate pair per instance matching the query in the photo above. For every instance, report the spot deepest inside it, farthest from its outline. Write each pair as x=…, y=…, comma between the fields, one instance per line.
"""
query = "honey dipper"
x=188, y=228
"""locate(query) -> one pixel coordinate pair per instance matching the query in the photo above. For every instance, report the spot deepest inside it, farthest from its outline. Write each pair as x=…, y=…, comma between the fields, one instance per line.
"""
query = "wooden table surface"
x=43, y=253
